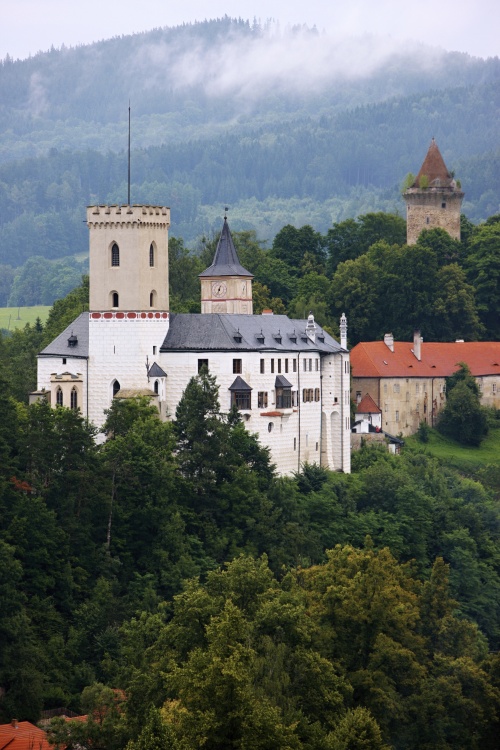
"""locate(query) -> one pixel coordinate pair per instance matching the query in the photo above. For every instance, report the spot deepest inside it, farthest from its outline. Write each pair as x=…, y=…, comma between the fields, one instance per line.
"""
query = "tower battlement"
x=124, y=215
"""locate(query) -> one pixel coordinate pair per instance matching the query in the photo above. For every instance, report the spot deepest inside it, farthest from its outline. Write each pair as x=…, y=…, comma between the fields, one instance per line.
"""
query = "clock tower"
x=226, y=287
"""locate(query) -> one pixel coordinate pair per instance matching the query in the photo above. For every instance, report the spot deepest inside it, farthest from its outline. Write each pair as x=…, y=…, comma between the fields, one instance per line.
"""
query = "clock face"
x=219, y=288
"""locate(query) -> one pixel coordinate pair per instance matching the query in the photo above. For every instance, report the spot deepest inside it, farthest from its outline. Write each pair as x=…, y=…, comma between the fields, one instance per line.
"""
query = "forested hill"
x=285, y=126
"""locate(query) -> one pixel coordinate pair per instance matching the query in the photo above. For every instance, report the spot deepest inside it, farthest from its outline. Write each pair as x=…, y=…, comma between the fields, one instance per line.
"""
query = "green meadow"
x=464, y=458
x=17, y=317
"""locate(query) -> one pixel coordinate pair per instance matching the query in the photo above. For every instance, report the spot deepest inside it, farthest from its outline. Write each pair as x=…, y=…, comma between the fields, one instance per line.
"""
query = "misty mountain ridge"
x=285, y=126
x=194, y=80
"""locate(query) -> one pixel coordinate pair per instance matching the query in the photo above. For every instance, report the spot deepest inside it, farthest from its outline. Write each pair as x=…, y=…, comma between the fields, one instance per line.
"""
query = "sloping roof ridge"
x=368, y=406
x=433, y=166
x=226, y=261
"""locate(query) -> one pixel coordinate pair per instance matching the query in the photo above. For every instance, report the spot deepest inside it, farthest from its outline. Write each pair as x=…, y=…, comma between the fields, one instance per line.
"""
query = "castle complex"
x=288, y=378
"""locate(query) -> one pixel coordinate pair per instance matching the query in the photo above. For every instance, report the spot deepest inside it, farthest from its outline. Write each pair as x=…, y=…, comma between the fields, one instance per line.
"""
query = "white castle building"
x=289, y=378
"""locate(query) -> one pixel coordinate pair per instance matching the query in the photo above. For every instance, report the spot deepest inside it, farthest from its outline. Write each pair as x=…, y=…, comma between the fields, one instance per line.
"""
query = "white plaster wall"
x=295, y=436
x=118, y=349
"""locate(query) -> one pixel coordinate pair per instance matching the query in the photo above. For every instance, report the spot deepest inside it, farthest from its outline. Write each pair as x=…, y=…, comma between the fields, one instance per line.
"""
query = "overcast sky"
x=28, y=26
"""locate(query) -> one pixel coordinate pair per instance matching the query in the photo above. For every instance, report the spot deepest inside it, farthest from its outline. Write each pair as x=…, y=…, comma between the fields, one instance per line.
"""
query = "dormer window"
x=241, y=394
x=237, y=337
x=115, y=255
x=260, y=337
x=73, y=340
x=283, y=393
x=278, y=338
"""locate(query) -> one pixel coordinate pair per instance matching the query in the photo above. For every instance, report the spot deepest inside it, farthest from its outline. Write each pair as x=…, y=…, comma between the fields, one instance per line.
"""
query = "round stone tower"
x=434, y=199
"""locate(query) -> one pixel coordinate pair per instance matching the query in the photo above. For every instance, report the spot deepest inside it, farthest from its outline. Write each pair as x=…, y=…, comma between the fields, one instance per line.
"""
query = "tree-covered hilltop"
x=315, y=148
x=168, y=584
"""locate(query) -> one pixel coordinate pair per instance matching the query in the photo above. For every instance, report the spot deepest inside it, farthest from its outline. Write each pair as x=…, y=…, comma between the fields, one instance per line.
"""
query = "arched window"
x=152, y=299
x=114, y=299
x=116, y=387
x=156, y=387
x=59, y=397
x=151, y=255
x=115, y=255
x=74, y=398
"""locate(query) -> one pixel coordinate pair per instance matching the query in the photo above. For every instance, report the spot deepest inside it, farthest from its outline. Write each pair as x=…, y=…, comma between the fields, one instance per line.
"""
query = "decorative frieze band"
x=131, y=315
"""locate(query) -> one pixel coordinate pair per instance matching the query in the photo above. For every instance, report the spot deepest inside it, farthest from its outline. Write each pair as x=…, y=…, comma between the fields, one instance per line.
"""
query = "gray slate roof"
x=282, y=382
x=217, y=332
x=226, y=261
x=155, y=371
x=239, y=385
x=59, y=346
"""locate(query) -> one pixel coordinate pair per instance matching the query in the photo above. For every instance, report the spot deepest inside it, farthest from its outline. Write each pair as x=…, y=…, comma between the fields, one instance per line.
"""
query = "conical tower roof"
x=226, y=261
x=435, y=169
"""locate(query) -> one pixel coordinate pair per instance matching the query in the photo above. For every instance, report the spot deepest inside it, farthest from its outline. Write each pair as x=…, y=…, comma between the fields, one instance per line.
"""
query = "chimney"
x=417, y=345
x=267, y=311
x=389, y=341
x=343, y=331
x=311, y=328
x=14, y=723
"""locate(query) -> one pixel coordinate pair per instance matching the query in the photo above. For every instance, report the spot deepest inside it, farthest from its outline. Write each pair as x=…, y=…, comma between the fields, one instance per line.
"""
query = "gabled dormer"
x=226, y=287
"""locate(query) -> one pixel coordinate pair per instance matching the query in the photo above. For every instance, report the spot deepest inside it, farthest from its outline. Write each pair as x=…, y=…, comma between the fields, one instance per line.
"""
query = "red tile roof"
x=22, y=735
x=434, y=167
x=367, y=406
x=373, y=359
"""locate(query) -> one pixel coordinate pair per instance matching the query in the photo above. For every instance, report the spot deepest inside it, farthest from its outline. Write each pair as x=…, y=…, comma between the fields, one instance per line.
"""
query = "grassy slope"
x=467, y=459
x=17, y=317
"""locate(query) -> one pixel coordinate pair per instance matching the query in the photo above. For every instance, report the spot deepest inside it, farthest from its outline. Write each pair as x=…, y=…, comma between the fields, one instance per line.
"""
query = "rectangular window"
x=241, y=399
x=304, y=361
x=493, y=387
x=316, y=394
x=407, y=395
x=236, y=366
x=283, y=398
x=202, y=363
x=294, y=365
x=262, y=365
x=385, y=387
x=272, y=365
x=316, y=364
x=395, y=387
x=295, y=444
x=294, y=398
x=307, y=439
x=358, y=397
x=262, y=399
x=64, y=362
x=279, y=365
x=417, y=388
x=286, y=365
x=397, y=415
x=310, y=365
x=154, y=349
x=317, y=446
